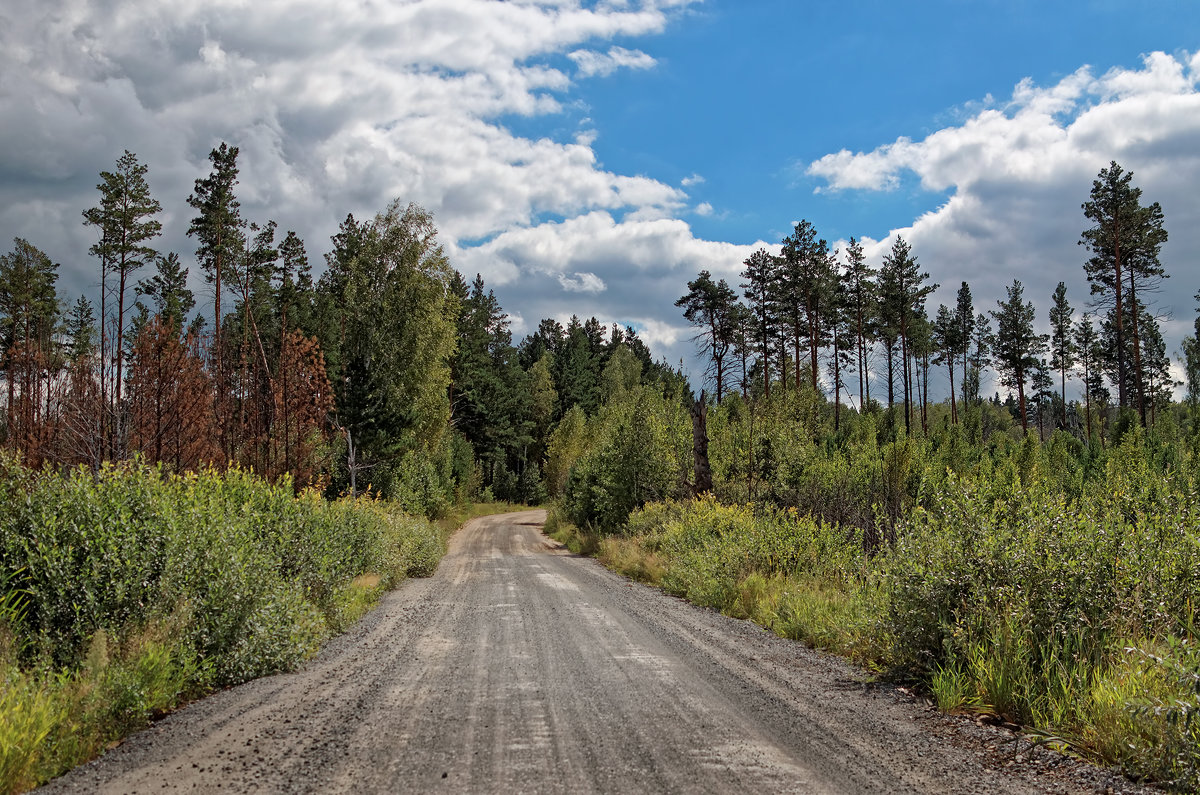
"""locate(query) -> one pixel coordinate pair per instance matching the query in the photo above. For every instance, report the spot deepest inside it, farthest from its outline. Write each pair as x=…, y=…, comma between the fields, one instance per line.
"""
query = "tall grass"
x=125, y=593
x=1021, y=589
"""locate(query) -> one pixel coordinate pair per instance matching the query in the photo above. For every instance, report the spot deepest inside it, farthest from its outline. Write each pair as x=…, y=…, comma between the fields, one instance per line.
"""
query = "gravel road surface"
x=519, y=667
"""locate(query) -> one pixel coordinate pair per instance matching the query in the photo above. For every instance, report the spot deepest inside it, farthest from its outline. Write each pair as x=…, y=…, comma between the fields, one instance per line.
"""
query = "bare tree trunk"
x=702, y=471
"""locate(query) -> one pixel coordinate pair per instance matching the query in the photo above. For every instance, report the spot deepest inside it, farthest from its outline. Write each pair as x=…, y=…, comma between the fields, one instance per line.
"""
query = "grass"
x=1002, y=594
x=124, y=596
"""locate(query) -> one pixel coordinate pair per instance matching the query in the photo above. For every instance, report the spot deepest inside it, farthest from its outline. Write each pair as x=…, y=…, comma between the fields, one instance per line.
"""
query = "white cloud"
x=581, y=283
x=1016, y=177
x=694, y=179
x=593, y=64
x=332, y=113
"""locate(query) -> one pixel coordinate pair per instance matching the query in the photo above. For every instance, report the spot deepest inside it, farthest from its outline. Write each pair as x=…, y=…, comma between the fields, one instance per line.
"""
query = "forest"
x=1031, y=558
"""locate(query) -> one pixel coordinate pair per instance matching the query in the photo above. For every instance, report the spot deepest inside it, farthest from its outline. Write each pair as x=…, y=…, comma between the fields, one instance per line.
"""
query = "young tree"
x=170, y=400
x=1017, y=345
x=760, y=274
x=543, y=403
x=1062, y=342
x=1125, y=240
x=80, y=330
x=861, y=298
x=710, y=306
x=167, y=289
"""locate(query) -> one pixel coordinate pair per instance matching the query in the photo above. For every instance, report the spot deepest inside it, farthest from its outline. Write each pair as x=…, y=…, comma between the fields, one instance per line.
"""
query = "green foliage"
x=127, y=591
x=387, y=321
x=640, y=453
x=1013, y=576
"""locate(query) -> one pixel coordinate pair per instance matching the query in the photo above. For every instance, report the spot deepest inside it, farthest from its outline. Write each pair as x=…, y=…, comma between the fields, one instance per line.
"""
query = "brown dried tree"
x=171, y=418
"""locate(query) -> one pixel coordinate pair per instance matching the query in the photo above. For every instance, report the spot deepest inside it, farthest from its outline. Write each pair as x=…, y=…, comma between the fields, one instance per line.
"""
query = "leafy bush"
x=1019, y=580
x=127, y=591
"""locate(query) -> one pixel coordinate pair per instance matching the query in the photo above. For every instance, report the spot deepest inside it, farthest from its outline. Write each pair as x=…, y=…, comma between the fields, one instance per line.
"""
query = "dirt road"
x=521, y=668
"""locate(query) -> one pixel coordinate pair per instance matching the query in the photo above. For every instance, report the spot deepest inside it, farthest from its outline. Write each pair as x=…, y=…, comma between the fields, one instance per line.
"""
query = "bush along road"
x=520, y=667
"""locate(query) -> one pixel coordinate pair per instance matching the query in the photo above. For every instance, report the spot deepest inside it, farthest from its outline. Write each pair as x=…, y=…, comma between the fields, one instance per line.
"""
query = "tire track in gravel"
x=518, y=667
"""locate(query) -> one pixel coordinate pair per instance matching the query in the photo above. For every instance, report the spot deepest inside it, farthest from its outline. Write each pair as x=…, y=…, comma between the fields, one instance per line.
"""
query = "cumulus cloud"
x=333, y=113
x=1016, y=174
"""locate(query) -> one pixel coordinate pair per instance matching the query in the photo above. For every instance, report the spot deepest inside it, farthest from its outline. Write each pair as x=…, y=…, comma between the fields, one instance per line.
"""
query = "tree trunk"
x=953, y=400
x=700, y=464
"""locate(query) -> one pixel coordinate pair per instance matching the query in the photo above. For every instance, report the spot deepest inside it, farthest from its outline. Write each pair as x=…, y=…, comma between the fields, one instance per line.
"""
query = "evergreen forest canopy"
x=388, y=371
x=831, y=319
x=391, y=370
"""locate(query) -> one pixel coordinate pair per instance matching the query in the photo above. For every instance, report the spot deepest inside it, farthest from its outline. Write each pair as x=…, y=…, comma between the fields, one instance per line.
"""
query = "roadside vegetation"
x=1034, y=558
x=132, y=591
x=193, y=496
x=1050, y=585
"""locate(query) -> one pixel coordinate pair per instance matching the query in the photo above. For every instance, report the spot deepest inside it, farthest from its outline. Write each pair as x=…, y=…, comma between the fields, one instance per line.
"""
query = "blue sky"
x=591, y=157
x=749, y=93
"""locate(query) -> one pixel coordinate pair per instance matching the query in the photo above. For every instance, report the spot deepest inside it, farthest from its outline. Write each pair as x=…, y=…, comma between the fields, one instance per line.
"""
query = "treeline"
x=337, y=382
x=511, y=403
x=828, y=318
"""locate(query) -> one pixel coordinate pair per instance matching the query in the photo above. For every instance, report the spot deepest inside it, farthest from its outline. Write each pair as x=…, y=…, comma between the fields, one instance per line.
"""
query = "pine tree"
x=218, y=228
x=862, y=299
x=760, y=275
x=1043, y=393
x=979, y=358
x=80, y=330
x=1087, y=345
x=710, y=306
x=946, y=330
x=1017, y=345
x=964, y=314
x=803, y=289
x=168, y=290
x=909, y=289
x=1125, y=240
x=843, y=338
x=127, y=223
x=1062, y=343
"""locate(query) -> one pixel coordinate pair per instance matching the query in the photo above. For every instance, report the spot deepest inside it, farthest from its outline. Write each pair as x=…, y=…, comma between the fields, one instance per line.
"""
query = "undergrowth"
x=1069, y=610
x=126, y=593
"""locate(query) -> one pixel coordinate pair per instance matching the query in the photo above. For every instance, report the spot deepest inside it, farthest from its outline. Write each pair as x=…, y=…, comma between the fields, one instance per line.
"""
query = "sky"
x=591, y=157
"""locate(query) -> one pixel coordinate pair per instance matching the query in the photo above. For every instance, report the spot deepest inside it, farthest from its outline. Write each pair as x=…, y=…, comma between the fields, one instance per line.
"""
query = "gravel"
x=519, y=667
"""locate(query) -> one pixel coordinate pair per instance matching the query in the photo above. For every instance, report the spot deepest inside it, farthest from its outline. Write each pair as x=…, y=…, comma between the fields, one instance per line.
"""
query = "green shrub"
x=138, y=589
